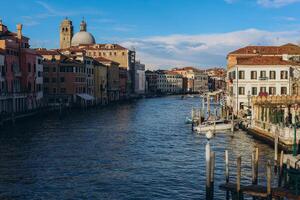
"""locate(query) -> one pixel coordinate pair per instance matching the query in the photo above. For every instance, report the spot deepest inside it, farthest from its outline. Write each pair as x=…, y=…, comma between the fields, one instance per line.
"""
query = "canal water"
x=136, y=150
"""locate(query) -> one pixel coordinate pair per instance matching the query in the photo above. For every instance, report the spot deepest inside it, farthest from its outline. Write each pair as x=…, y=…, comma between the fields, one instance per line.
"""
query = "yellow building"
x=114, y=52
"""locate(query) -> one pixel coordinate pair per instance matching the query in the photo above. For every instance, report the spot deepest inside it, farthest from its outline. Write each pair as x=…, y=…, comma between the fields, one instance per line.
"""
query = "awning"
x=85, y=96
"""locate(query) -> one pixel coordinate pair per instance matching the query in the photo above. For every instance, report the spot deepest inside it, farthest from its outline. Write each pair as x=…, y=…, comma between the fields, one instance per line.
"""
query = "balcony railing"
x=263, y=78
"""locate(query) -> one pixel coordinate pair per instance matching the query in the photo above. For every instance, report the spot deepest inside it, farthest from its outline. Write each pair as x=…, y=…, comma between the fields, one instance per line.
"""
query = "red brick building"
x=18, y=78
x=64, y=79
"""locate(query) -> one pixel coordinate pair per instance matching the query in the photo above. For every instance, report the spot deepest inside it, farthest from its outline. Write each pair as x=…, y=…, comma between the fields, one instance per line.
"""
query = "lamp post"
x=208, y=135
x=248, y=109
x=295, y=132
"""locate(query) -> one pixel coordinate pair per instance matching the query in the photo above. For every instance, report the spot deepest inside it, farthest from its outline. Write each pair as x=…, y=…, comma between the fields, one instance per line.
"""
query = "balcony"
x=263, y=78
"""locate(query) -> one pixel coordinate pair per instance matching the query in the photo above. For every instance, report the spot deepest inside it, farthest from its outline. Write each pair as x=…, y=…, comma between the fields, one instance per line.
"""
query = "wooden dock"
x=259, y=191
x=288, y=186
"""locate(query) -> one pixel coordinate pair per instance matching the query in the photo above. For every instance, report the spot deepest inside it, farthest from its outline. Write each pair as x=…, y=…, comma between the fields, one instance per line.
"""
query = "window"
x=263, y=89
x=273, y=75
x=283, y=90
x=254, y=90
x=46, y=80
x=253, y=75
x=241, y=106
x=241, y=91
x=272, y=90
x=63, y=90
x=54, y=69
x=233, y=75
x=263, y=74
x=283, y=75
x=62, y=79
x=29, y=86
x=54, y=90
x=53, y=80
x=29, y=67
x=241, y=74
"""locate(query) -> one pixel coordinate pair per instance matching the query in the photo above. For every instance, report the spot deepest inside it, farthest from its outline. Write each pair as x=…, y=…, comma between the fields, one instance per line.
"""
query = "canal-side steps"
x=267, y=138
x=288, y=176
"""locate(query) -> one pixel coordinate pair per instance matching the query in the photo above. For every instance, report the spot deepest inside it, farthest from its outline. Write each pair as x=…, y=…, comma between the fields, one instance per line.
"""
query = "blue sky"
x=164, y=32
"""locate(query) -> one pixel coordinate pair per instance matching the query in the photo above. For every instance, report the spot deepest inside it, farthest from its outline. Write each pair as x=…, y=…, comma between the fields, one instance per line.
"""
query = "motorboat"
x=213, y=125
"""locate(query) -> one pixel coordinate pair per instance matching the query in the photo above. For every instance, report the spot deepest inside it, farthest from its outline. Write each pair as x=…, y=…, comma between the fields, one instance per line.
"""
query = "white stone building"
x=139, y=85
x=258, y=75
x=169, y=82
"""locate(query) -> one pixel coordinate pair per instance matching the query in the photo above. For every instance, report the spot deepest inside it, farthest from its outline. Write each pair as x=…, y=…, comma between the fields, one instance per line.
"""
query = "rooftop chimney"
x=19, y=31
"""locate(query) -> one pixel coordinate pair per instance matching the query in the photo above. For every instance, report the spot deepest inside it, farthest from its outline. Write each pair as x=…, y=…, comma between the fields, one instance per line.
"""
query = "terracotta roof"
x=264, y=60
x=105, y=60
x=48, y=52
x=72, y=49
x=269, y=50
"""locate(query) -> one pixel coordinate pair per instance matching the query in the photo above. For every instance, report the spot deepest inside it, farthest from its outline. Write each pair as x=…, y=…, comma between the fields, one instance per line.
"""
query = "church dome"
x=82, y=37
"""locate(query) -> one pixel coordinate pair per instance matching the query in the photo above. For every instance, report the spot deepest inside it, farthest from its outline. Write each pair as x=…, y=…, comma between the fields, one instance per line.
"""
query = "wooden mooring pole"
x=280, y=174
x=275, y=153
x=256, y=166
x=227, y=172
x=238, y=178
x=269, y=190
x=212, y=173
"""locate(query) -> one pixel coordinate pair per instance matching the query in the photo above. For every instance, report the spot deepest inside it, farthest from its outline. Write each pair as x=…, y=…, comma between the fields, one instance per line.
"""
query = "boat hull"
x=219, y=127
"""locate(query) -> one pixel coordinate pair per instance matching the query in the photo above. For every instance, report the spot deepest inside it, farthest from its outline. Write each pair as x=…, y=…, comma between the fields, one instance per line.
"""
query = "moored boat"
x=218, y=125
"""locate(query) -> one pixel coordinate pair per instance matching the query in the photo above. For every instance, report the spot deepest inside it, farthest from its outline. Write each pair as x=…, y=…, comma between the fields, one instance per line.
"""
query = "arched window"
x=66, y=29
x=295, y=89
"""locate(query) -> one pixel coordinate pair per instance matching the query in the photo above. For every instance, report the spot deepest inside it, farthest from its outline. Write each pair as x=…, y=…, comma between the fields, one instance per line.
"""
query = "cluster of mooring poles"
x=236, y=191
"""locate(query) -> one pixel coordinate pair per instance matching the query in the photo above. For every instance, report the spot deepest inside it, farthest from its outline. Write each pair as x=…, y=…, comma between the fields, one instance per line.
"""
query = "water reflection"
x=140, y=149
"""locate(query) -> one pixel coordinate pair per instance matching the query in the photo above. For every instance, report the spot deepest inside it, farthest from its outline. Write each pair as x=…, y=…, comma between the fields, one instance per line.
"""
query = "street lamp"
x=295, y=132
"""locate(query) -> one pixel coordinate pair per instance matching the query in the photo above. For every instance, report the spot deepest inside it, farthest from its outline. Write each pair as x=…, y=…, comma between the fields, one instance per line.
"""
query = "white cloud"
x=203, y=49
x=291, y=19
x=276, y=3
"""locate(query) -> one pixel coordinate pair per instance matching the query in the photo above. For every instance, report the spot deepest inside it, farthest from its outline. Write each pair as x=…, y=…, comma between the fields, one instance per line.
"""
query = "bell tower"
x=66, y=33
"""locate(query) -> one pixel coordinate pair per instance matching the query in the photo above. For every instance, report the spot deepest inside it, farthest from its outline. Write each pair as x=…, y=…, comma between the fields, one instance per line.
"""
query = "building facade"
x=151, y=81
x=258, y=76
x=123, y=84
x=64, y=79
x=113, y=78
x=39, y=81
x=18, y=79
x=100, y=77
x=194, y=80
x=169, y=82
x=139, y=86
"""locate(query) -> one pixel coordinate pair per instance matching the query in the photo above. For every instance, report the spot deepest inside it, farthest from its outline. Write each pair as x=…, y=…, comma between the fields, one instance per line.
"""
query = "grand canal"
x=136, y=150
